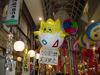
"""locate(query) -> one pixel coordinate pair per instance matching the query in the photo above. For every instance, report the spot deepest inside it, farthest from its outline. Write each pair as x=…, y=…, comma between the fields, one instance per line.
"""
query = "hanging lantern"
x=31, y=53
x=19, y=46
x=19, y=59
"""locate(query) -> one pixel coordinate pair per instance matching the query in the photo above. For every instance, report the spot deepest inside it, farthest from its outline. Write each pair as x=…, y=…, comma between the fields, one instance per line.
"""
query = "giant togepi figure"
x=50, y=34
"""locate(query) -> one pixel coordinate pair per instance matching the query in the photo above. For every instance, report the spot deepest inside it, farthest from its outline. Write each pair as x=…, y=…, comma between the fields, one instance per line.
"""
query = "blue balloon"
x=67, y=24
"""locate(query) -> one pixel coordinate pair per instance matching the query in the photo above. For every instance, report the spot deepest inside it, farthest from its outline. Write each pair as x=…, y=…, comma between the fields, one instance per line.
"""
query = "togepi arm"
x=36, y=33
x=62, y=34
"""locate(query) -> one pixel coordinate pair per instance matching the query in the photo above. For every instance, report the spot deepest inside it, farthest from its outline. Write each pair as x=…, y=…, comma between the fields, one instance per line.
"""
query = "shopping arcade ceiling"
x=36, y=9
x=74, y=8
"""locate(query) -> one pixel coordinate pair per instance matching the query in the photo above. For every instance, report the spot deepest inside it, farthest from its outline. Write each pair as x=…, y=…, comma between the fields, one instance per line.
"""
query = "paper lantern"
x=93, y=31
x=31, y=53
x=19, y=45
x=19, y=59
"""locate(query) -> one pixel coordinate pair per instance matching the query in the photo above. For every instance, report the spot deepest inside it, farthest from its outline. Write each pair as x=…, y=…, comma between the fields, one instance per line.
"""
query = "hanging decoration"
x=19, y=59
x=85, y=42
x=93, y=31
x=51, y=36
x=88, y=55
x=9, y=50
x=71, y=27
x=25, y=60
x=75, y=45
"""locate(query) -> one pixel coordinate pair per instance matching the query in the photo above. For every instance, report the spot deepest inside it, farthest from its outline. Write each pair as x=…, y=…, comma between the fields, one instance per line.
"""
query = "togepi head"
x=50, y=26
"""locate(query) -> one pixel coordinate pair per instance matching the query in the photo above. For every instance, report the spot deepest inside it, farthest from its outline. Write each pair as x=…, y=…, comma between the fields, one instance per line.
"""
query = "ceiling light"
x=40, y=18
x=92, y=21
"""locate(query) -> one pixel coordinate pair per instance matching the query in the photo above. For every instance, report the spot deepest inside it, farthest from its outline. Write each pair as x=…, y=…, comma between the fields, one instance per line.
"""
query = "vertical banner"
x=13, y=12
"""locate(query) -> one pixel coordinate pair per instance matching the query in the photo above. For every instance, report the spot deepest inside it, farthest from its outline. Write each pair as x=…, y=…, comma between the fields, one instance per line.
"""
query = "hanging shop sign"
x=49, y=57
x=13, y=12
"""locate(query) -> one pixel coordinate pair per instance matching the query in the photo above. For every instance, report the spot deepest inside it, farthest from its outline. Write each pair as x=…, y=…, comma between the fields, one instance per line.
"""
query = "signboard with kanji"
x=13, y=12
x=49, y=57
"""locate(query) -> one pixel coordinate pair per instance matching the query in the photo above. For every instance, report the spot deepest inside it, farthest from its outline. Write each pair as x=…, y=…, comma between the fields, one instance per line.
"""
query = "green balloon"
x=74, y=25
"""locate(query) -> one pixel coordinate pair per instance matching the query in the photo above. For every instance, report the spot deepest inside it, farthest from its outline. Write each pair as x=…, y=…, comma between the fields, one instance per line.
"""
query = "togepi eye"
x=44, y=29
x=49, y=29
